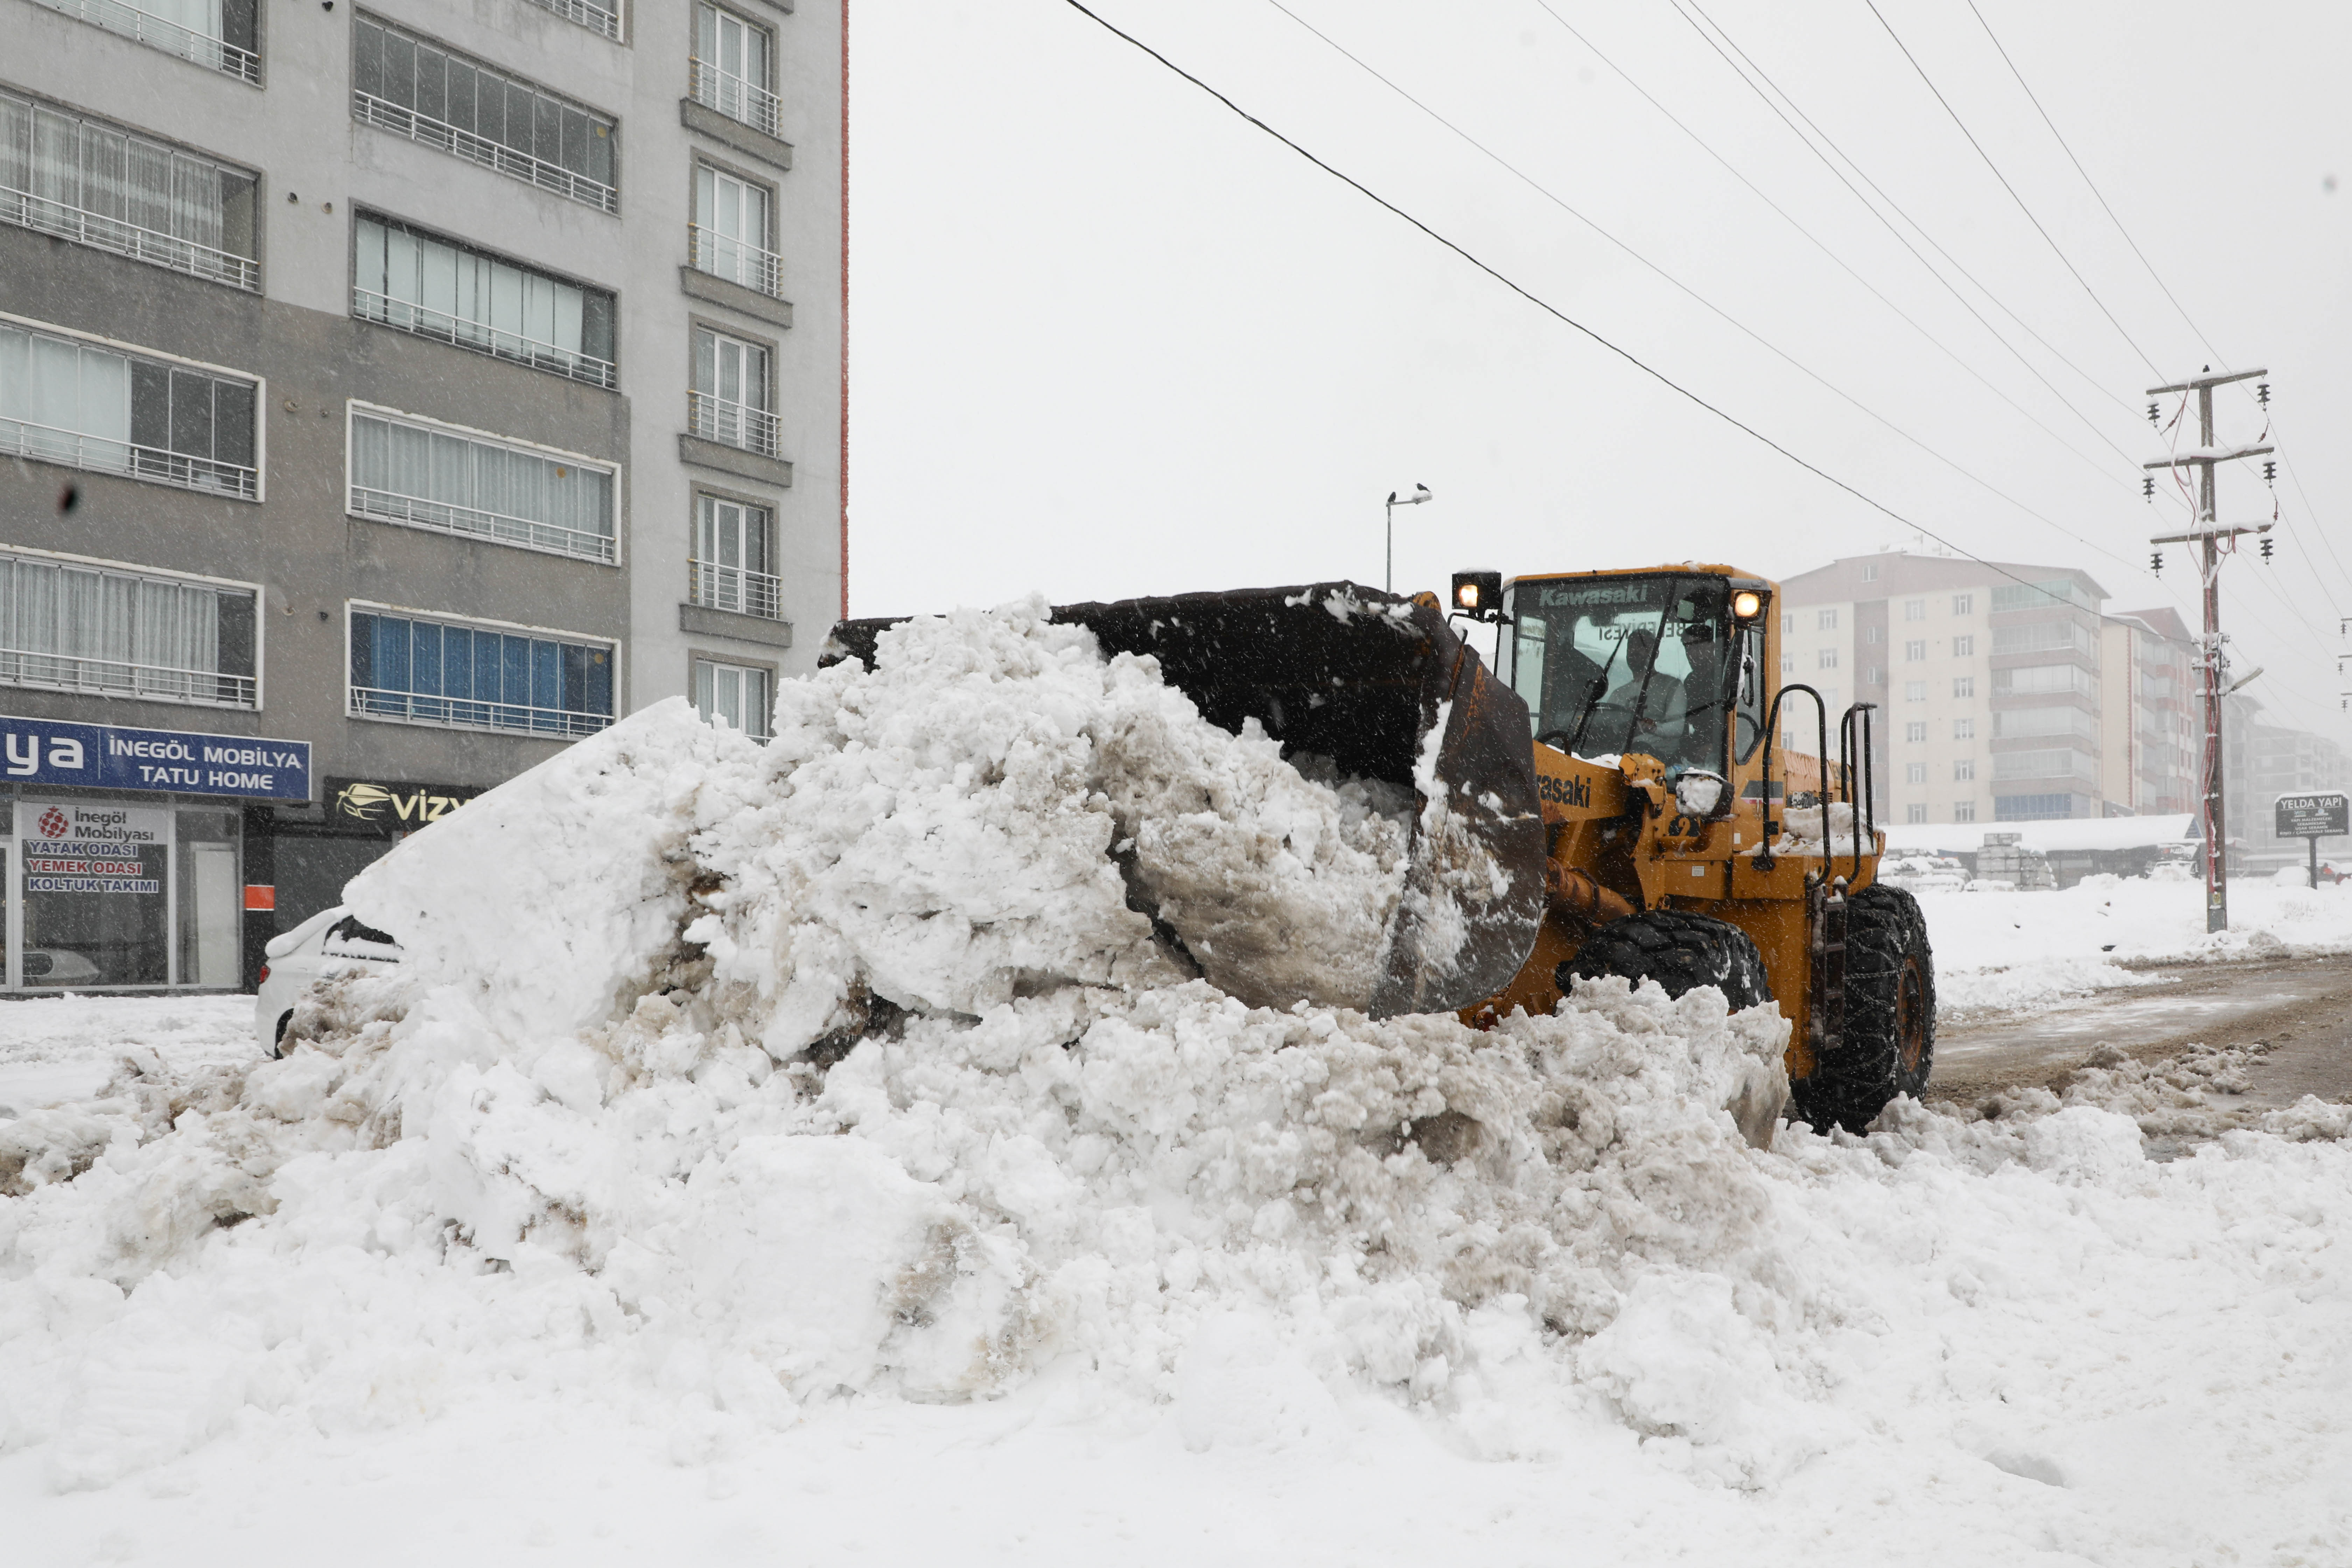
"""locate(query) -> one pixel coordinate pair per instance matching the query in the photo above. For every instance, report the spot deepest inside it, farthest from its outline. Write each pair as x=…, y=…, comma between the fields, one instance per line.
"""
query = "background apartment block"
x=2267, y=759
x=1989, y=687
x=426, y=385
x=2152, y=714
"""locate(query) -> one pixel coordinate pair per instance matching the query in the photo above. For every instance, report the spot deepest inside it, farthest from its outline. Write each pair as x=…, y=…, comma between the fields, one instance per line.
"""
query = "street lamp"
x=1420, y=494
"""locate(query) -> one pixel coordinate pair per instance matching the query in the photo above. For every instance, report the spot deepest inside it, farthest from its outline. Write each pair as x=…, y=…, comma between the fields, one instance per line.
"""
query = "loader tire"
x=1889, y=1046
x=1679, y=950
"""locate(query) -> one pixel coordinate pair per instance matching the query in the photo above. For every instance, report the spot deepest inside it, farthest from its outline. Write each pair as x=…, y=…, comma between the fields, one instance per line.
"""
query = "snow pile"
x=727, y=1088
x=2003, y=950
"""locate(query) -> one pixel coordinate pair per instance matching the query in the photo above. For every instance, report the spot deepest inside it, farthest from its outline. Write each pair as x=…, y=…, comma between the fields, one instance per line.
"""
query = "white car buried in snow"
x=333, y=942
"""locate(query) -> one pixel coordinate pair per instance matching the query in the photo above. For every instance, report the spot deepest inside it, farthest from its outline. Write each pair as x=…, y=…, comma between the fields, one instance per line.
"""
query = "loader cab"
x=1670, y=662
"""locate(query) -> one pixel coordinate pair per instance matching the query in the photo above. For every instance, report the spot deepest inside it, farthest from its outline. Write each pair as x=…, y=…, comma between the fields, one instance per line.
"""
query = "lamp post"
x=1420, y=494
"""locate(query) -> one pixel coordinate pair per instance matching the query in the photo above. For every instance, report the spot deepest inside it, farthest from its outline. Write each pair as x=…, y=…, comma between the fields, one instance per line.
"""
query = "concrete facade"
x=308, y=557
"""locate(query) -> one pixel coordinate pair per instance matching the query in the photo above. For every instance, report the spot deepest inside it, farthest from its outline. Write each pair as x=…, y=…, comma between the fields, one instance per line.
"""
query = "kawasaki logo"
x=1569, y=791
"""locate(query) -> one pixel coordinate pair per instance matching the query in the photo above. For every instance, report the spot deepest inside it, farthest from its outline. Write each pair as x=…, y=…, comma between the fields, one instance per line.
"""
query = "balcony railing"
x=84, y=227
x=471, y=713
x=219, y=53
x=121, y=678
x=595, y=18
x=731, y=424
x=444, y=518
x=480, y=337
x=103, y=455
x=388, y=116
x=732, y=588
x=737, y=260
x=734, y=97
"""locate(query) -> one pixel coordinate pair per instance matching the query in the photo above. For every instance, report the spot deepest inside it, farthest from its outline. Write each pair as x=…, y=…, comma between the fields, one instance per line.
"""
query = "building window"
x=1964, y=811
x=1914, y=609
x=729, y=401
x=1873, y=676
x=427, y=92
x=1964, y=647
x=113, y=190
x=1875, y=635
x=1964, y=604
x=68, y=624
x=728, y=236
x=730, y=569
x=1915, y=649
x=734, y=695
x=1827, y=659
x=75, y=403
x=730, y=67
x=1915, y=773
x=1964, y=686
x=2033, y=808
x=409, y=470
x=1964, y=729
x=215, y=33
x=1915, y=813
x=593, y=18
x=2039, y=679
x=1916, y=729
x=469, y=675
x=414, y=282
x=1788, y=666
x=1914, y=691
x=1788, y=621
x=1870, y=571
x=1964, y=770
x=1825, y=620
x=2055, y=763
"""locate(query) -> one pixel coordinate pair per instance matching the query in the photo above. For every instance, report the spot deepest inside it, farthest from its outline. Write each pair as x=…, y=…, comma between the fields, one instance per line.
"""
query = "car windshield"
x=1614, y=665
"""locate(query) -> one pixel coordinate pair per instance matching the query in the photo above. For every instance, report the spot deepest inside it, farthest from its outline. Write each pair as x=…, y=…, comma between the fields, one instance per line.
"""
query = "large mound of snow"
x=730, y=1090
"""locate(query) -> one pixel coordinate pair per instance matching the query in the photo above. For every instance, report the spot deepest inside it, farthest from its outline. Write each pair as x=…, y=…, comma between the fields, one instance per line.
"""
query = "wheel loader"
x=1625, y=791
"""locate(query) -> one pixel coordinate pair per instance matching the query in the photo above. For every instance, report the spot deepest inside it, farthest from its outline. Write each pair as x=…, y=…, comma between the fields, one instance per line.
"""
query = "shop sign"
x=74, y=848
x=2327, y=814
x=109, y=756
x=379, y=806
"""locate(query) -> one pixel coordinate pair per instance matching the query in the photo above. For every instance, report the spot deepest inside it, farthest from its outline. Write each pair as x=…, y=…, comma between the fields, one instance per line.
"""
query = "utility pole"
x=2211, y=534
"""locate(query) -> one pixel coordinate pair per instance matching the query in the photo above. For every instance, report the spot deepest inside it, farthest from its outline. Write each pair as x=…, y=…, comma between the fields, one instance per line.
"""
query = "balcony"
x=733, y=97
x=735, y=260
x=103, y=455
x=472, y=713
x=480, y=337
x=442, y=516
x=595, y=18
x=121, y=678
x=716, y=587
x=214, y=53
x=102, y=233
x=730, y=423
x=385, y=115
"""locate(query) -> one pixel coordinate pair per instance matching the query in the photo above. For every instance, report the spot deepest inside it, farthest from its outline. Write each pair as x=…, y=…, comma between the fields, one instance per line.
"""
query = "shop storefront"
x=124, y=863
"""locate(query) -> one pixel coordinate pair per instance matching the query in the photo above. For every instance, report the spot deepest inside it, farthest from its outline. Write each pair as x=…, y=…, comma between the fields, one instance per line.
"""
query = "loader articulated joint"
x=1576, y=894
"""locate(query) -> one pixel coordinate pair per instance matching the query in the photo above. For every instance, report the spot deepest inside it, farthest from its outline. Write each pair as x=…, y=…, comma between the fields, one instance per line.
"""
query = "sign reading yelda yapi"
x=381, y=806
x=2325, y=814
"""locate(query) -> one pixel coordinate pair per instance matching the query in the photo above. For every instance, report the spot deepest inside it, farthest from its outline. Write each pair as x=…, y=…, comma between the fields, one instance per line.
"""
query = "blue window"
x=439, y=672
x=2033, y=808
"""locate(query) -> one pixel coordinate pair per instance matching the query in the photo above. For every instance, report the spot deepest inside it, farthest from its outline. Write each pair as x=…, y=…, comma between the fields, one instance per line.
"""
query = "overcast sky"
x=1109, y=339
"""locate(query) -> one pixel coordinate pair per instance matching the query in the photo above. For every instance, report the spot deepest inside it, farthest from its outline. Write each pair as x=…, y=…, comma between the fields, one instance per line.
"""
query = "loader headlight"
x=1478, y=594
x=1747, y=605
x=1698, y=793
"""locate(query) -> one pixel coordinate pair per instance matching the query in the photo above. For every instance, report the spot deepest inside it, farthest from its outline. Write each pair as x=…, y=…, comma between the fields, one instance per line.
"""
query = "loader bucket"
x=1370, y=680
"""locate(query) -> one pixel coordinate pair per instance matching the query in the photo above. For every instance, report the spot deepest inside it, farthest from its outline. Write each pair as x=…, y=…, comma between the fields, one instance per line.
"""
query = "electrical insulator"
x=2156, y=562
x=2147, y=486
x=2270, y=472
x=2266, y=551
x=2263, y=393
x=2151, y=412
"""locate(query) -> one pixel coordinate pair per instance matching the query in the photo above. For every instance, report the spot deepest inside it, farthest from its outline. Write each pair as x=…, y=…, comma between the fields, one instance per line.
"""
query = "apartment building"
x=390, y=395
x=2267, y=759
x=1986, y=680
x=2151, y=718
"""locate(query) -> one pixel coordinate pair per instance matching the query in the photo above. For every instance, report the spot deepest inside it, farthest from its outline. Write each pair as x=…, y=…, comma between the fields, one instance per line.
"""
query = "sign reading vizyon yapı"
x=107, y=756
x=2325, y=814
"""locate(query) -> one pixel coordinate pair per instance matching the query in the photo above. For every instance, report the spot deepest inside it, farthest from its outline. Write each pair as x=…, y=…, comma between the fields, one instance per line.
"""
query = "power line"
x=2005, y=185
x=1548, y=308
x=1541, y=190
x=1841, y=261
x=1965, y=304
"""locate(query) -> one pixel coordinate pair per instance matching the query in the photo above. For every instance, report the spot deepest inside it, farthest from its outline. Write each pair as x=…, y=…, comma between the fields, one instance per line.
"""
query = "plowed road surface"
x=2301, y=1008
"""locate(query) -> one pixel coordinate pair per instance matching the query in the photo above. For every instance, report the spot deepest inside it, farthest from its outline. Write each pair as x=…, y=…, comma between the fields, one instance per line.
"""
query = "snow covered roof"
x=2109, y=833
